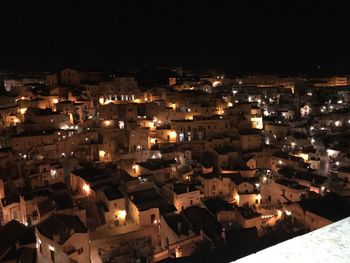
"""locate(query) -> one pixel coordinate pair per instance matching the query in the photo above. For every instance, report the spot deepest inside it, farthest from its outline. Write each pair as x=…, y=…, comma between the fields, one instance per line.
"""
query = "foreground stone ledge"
x=327, y=244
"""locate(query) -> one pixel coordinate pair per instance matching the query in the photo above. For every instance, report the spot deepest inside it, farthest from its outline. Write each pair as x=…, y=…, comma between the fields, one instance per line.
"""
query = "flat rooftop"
x=91, y=174
x=150, y=198
x=113, y=193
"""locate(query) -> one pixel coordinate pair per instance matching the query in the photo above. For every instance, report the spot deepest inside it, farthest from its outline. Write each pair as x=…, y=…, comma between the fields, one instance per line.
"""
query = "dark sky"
x=244, y=36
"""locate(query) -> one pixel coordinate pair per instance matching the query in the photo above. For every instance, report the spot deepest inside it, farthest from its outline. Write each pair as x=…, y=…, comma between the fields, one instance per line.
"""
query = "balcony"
x=328, y=244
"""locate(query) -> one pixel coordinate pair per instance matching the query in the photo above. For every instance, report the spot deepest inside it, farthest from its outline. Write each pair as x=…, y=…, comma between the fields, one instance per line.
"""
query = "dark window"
x=153, y=218
x=52, y=254
x=167, y=241
x=80, y=250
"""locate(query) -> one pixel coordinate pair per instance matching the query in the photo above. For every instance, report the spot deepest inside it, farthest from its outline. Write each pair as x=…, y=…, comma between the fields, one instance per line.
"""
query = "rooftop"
x=250, y=132
x=113, y=193
x=157, y=164
x=247, y=212
x=290, y=184
x=149, y=198
x=331, y=206
x=62, y=225
x=11, y=233
x=91, y=174
x=216, y=205
x=181, y=188
x=177, y=223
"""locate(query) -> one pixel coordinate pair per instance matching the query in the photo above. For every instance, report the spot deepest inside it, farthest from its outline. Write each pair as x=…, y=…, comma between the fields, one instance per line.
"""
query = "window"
x=80, y=250
x=167, y=241
x=153, y=218
x=191, y=202
x=52, y=255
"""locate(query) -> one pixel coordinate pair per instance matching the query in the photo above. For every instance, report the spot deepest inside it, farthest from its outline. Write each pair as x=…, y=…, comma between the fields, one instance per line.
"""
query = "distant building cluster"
x=96, y=168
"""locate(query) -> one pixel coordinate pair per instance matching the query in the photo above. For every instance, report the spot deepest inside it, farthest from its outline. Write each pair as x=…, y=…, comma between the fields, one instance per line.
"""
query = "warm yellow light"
x=173, y=106
x=216, y=83
x=279, y=213
x=55, y=101
x=108, y=123
x=229, y=104
x=101, y=154
x=86, y=188
x=153, y=140
x=121, y=214
x=237, y=198
x=172, y=134
x=22, y=110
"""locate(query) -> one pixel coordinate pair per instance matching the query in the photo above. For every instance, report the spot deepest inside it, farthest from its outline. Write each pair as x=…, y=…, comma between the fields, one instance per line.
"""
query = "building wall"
x=117, y=211
x=226, y=216
x=77, y=241
x=275, y=190
x=250, y=142
x=211, y=187
x=313, y=221
x=248, y=199
x=185, y=200
x=15, y=211
x=279, y=130
x=143, y=218
x=247, y=223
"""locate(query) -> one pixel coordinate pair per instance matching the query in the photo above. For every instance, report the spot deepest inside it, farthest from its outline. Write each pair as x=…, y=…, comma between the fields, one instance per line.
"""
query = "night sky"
x=238, y=36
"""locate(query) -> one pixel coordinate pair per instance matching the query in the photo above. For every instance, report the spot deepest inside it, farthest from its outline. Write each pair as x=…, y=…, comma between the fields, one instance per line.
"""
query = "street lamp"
x=86, y=188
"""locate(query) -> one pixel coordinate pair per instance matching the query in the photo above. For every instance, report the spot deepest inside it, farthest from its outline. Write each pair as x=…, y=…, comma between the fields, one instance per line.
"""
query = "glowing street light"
x=86, y=188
